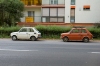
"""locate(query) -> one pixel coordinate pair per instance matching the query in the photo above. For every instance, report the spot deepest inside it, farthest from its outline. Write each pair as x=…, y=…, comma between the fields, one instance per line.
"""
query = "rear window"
x=84, y=31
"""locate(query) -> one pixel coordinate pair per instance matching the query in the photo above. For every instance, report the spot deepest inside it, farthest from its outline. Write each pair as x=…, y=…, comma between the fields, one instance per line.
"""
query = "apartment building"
x=82, y=11
x=66, y=11
x=44, y=11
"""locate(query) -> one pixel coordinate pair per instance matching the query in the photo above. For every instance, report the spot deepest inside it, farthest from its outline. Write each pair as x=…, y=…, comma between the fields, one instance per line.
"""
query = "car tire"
x=14, y=38
x=33, y=38
x=65, y=39
x=86, y=40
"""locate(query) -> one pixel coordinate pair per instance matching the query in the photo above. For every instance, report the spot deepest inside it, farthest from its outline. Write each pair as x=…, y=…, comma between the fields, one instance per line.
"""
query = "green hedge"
x=95, y=32
x=52, y=31
x=47, y=31
x=5, y=31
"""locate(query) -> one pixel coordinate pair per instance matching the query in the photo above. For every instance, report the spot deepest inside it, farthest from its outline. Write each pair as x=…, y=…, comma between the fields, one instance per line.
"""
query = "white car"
x=30, y=33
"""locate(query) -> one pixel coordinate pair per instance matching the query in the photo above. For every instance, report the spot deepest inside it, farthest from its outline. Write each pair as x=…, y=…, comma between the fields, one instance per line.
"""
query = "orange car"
x=77, y=34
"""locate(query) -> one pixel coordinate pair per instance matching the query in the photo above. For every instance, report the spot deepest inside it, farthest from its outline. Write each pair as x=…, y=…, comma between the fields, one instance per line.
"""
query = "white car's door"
x=30, y=33
x=22, y=34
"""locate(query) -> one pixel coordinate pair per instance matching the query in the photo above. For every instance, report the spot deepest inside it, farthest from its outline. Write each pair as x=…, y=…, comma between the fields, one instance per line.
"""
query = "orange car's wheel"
x=65, y=39
x=86, y=40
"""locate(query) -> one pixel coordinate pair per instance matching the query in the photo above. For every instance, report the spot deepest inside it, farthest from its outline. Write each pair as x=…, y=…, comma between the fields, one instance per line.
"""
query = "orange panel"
x=72, y=6
x=86, y=6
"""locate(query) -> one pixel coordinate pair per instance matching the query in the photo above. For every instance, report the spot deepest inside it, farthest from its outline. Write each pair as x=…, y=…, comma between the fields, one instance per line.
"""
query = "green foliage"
x=48, y=32
x=95, y=32
x=5, y=31
x=52, y=31
x=10, y=12
x=97, y=24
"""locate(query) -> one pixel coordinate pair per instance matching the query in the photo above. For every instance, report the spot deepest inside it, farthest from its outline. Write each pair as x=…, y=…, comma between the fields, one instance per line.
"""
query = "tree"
x=11, y=12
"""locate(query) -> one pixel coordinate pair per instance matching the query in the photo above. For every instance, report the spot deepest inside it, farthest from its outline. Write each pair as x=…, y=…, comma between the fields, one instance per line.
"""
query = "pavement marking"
x=16, y=50
x=95, y=52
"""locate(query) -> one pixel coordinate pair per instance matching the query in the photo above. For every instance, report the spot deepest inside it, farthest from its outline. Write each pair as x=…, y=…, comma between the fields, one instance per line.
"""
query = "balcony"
x=32, y=3
x=53, y=3
x=40, y=19
x=44, y=3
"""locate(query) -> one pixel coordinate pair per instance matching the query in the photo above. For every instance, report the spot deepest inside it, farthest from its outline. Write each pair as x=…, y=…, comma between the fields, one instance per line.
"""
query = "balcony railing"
x=32, y=2
x=53, y=2
x=43, y=2
x=42, y=19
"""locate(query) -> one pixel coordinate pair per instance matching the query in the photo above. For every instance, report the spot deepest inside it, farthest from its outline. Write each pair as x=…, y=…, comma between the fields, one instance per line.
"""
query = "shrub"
x=5, y=31
x=49, y=32
x=52, y=31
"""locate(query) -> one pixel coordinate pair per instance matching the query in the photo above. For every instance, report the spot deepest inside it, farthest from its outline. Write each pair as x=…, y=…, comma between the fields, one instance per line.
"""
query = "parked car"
x=77, y=34
x=30, y=33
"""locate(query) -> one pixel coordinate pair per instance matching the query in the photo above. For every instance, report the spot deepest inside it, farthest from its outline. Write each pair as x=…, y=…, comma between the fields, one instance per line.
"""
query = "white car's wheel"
x=14, y=38
x=33, y=38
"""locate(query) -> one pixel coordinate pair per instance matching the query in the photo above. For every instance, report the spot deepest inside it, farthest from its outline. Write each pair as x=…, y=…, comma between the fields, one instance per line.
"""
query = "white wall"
x=91, y=16
x=47, y=2
x=37, y=11
x=67, y=11
x=61, y=1
x=82, y=16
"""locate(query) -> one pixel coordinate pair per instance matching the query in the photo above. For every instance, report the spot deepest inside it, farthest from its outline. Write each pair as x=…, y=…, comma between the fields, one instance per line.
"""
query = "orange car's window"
x=84, y=31
x=76, y=31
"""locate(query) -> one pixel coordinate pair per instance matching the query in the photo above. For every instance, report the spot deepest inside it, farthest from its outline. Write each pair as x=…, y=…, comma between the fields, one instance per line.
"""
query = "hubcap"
x=14, y=38
x=65, y=39
x=85, y=40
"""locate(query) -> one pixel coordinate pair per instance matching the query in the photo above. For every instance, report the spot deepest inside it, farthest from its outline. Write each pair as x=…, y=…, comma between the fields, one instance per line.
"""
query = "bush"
x=52, y=31
x=5, y=31
x=95, y=32
x=97, y=24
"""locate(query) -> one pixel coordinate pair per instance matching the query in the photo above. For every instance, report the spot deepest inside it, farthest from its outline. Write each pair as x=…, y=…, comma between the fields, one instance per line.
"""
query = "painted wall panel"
x=53, y=11
x=67, y=11
x=61, y=11
x=61, y=1
x=89, y=16
x=45, y=2
x=37, y=15
x=45, y=11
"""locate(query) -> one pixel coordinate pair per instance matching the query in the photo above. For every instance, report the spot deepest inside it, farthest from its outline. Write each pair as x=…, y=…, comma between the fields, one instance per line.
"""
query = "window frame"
x=73, y=2
x=53, y=2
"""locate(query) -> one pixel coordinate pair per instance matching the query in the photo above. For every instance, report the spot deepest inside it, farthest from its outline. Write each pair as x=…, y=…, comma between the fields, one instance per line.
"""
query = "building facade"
x=66, y=11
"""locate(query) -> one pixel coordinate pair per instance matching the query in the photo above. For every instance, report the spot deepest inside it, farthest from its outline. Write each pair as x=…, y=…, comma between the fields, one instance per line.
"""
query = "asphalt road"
x=49, y=53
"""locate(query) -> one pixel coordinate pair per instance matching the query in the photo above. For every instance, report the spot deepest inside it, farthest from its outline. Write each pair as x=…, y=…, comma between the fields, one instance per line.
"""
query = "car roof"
x=78, y=28
x=28, y=27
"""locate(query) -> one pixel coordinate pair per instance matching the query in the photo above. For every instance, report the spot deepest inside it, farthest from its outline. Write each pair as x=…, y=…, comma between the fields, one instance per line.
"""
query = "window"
x=23, y=30
x=45, y=11
x=72, y=2
x=83, y=31
x=30, y=13
x=53, y=14
x=61, y=11
x=31, y=2
x=53, y=19
x=53, y=1
x=30, y=30
x=53, y=11
x=72, y=15
x=76, y=31
x=86, y=7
